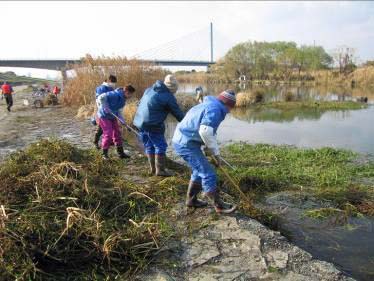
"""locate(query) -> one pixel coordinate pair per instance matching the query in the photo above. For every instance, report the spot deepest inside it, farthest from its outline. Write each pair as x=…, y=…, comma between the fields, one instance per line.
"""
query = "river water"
x=350, y=247
x=348, y=129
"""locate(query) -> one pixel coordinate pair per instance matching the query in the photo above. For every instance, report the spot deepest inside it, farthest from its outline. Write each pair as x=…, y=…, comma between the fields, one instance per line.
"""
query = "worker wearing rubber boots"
x=106, y=86
x=157, y=102
x=110, y=108
x=199, y=128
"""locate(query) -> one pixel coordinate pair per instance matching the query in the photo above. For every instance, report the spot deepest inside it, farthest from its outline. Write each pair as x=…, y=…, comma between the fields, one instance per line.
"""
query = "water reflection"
x=340, y=129
x=279, y=92
x=349, y=129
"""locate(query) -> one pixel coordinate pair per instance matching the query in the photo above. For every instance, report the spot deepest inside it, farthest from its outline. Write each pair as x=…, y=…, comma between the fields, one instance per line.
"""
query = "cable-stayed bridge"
x=193, y=49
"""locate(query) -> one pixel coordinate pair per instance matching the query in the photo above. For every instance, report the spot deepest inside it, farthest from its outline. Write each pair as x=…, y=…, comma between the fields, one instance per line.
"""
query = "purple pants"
x=111, y=133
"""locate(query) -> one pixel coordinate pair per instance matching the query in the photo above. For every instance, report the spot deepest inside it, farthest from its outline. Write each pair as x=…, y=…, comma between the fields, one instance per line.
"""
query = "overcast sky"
x=72, y=29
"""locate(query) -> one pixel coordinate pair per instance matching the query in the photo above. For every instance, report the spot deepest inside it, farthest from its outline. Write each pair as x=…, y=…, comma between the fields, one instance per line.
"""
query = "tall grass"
x=185, y=101
x=198, y=77
x=130, y=110
x=363, y=77
x=91, y=72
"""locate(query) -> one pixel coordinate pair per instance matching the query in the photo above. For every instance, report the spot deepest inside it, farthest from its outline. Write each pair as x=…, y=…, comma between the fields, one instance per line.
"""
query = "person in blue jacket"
x=106, y=86
x=109, y=113
x=157, y=102
x=199, y=128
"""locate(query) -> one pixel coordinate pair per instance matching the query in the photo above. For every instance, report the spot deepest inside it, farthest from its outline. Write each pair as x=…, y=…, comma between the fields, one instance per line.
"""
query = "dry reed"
x=91, y=72
x=185, y=101
x=130, y=111
x=289, y=96
x=65, y=214
x=247, y=98
x=243, y=99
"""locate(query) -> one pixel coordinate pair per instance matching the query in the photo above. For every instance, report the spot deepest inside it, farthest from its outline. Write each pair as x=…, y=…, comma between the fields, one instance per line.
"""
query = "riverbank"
x=16, y=80
x=314, y=197
x=361, y=77
x=85, y=218
x=176, y=236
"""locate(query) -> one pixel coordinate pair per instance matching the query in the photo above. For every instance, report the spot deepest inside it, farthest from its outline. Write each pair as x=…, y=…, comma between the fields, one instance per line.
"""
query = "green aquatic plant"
x=318, y=105
x=326, y=172
x=338, y=216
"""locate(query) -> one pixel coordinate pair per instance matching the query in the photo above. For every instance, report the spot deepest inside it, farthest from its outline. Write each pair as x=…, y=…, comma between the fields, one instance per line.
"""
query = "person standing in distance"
x=7, y=92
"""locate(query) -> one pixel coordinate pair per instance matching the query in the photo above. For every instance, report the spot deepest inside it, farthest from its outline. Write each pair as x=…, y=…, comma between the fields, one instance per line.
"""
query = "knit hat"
x=112, y=78
x=171, y=83
x=228, y=98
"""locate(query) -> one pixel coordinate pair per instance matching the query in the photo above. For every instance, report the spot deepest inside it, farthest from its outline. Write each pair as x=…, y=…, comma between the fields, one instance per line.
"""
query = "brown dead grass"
x=244, y=99
x=92, y=72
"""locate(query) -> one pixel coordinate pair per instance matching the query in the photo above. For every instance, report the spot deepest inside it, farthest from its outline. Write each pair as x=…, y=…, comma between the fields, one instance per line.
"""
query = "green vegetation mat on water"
x=66, y=214
x=321, y=105
x=331, y=174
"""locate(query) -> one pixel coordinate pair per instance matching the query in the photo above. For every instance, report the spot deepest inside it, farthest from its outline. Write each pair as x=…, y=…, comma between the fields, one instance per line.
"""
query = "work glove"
x=207, y=152
x=216, y=160
x=107, y=110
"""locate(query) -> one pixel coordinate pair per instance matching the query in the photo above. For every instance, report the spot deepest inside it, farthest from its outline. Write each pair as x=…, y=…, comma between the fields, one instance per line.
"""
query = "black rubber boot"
x=160, y=166
x=98, y=134
x=152, y=164
x=9, y=101
x=121, y=153
x=220, y=206
x=194, y=189
x=105, y=154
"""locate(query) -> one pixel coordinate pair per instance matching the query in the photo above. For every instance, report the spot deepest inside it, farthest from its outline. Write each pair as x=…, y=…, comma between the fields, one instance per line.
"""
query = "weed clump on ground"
x=67, y=214
x=326, y=172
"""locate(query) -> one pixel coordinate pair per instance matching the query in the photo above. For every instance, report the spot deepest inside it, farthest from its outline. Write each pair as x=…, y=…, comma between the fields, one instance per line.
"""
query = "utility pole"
x=211, y=42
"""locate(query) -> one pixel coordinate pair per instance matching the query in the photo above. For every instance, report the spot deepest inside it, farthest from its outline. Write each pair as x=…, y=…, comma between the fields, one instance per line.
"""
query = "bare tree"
x=344, y=56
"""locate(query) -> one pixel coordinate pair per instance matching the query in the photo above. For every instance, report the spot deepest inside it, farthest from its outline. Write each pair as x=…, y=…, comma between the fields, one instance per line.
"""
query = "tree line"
x=280, y=61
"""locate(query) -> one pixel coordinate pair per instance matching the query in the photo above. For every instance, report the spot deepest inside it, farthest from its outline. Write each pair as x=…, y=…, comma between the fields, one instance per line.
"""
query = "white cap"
x=171, y=83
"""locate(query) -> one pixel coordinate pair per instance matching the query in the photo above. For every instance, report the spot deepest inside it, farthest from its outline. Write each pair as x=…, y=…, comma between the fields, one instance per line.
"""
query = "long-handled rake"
x=231, y=179
x=129, y=128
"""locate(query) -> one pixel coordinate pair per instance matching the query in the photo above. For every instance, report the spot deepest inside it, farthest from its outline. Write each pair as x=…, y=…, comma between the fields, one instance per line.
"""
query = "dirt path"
x=26, y=124
x=211, y=247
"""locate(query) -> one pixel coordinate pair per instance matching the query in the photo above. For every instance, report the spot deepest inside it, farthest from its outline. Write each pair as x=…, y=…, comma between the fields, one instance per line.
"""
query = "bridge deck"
x=64, y=64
